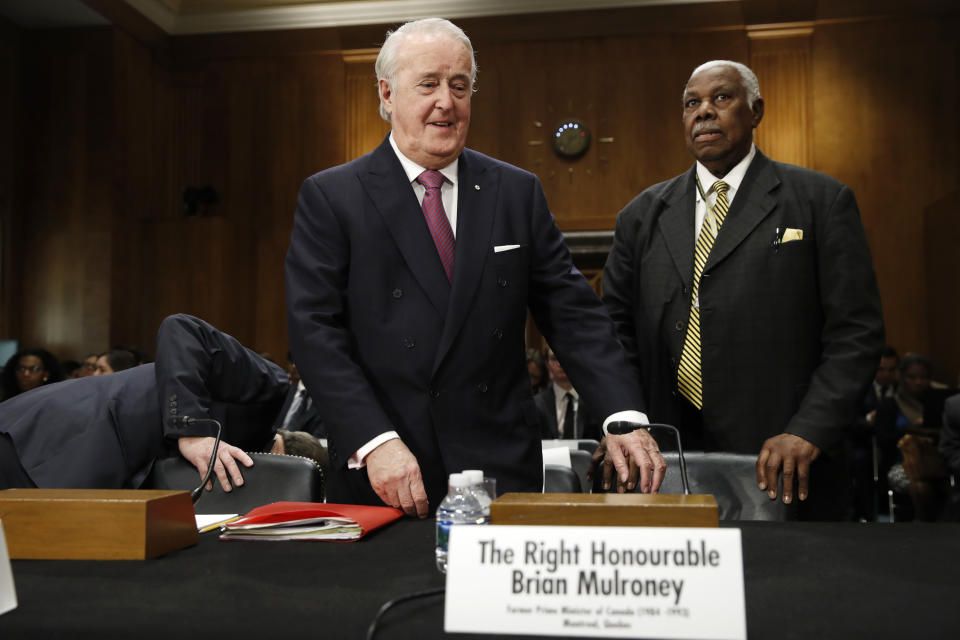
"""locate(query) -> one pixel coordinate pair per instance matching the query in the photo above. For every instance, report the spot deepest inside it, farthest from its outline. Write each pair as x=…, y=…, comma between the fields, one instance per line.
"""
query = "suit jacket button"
x=409, y=343
x=434, y=394
x=482, y=387
x=398, y=293
x=502, y=282
x=679, y=325
x=498, y=334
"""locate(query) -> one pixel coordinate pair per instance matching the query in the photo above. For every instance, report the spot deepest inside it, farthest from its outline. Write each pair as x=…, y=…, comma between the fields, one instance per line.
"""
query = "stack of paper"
x=308, y=521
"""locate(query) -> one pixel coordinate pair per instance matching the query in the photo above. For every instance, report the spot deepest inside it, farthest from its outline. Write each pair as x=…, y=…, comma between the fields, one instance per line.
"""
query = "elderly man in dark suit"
x=105, y=432
x=409, y=275
x=745, y=294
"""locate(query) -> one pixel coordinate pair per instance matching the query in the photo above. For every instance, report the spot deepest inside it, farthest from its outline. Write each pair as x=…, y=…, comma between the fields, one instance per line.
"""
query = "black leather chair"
x=272, y=478
x=732, y=479
x=560, y=479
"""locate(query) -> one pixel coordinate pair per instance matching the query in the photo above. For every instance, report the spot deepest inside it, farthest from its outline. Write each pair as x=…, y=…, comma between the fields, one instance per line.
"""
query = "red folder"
x=299, y=520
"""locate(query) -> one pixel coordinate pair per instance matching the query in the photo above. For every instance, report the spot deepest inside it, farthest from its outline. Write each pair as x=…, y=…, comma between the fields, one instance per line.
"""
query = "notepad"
x=282, y=521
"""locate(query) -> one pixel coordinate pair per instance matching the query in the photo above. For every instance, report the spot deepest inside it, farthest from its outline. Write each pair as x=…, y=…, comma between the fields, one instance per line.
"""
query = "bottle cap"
x=475, y=476
x=458, y=480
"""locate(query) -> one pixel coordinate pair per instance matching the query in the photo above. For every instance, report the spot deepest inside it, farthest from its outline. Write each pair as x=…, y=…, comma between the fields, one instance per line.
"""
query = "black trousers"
x=12, y=473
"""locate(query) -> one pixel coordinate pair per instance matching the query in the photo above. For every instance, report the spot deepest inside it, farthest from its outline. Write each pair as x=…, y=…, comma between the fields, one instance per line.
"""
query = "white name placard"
x=8, y=595
x=618, y=582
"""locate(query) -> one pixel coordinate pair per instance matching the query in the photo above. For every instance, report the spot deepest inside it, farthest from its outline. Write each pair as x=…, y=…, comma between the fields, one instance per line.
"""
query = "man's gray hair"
x=388, y=61
x=747, y=77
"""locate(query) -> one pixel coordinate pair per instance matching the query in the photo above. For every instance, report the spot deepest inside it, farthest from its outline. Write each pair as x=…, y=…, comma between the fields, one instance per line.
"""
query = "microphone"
x=182, y=421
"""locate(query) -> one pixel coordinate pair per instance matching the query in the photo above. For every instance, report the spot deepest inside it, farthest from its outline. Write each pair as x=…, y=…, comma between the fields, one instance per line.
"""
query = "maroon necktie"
x=437, y=218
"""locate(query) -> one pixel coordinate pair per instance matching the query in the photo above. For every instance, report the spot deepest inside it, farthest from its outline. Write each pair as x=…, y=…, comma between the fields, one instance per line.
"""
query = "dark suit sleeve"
x=852, y=335
x=317, y=270
x=950, y=434
x=619, y=286
x=575, y=322
x=198, y=366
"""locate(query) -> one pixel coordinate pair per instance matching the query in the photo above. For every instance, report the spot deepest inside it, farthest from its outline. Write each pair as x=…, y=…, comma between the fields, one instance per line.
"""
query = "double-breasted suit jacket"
x=791, y=330
x=384, y=342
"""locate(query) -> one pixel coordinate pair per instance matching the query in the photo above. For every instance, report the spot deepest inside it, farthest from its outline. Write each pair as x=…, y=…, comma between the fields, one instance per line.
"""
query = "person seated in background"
x=860, y=436
x=139, y=355
x=303, y=444
x=949, y=449
x=537, y=371
x=884, y=383
x=561, y=414
x=105, y=432
x=292, y=374
x=28, y=369
x=70, y=368
x=88, y=366
x=115, y=360
x=908, y=427
x=299, y=411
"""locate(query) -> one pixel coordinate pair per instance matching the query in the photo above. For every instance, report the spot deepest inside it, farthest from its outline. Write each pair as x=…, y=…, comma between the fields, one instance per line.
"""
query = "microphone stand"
x=186, y=420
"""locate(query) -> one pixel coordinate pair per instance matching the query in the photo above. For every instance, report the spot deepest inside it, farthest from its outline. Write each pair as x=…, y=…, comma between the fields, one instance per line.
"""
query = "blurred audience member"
x=299, y=412
x=859, y=440
x=292, y=374
x=908, y=427
x=537, y=371
x=115, y=360
x=139, y=356
x=303, y=444
x=561, y=413
x=884, y=383
x=28, y=369
x=71, y=369
x=88, y=367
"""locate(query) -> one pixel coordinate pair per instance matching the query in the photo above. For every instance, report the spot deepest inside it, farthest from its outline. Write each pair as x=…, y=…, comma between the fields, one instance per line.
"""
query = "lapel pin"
x=477, y=187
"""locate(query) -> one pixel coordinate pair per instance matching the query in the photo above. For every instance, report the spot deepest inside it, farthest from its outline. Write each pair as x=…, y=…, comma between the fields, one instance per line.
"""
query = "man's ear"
x=757, y=112
x=386, y=95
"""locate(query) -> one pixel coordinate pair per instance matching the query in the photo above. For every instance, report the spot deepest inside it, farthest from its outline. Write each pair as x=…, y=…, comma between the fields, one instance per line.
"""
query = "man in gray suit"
x=765, y=339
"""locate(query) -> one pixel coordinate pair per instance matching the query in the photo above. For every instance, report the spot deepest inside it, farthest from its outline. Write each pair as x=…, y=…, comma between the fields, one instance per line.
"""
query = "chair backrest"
x=580, y=461
x=272, y=478
x=560, y=479
x=732, y=479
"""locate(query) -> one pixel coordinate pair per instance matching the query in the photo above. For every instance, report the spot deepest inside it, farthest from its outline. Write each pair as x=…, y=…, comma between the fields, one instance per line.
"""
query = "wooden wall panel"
x=115, y=130
x=941, y=230
x=885, y=97
x=11, y=124
x=364, y=129
x=64, y=206
x=628, y=92
x=781, y=60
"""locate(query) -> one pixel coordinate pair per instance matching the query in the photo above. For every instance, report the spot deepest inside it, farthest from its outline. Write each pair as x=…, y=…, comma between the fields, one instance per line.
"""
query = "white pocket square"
x=505, y=247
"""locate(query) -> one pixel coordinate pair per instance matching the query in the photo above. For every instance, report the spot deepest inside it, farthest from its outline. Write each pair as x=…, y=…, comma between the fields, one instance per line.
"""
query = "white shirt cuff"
x=359, y=459
x=625, y=416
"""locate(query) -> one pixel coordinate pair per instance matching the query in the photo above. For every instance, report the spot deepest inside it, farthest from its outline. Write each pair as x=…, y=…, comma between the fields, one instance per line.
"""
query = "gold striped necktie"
x=690, y=373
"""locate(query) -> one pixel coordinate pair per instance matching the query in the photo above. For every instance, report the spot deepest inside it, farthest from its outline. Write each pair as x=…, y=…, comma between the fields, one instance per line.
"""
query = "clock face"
x=571, y=138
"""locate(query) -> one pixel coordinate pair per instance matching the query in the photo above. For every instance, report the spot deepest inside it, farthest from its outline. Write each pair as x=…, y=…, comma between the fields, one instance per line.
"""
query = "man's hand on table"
x=395, y=477
x=635, y=457
x=790, y=455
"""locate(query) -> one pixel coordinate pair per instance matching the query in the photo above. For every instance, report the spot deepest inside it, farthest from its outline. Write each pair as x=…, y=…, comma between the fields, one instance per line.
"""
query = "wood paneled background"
x=104, y=127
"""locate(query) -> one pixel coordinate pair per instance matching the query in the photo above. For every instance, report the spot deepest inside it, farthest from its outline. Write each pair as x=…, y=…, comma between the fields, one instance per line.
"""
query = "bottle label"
x=443, y=533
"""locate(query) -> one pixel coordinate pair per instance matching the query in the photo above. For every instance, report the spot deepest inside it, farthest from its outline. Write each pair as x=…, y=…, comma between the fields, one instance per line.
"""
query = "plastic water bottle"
x=475, y=476
x=459, y=507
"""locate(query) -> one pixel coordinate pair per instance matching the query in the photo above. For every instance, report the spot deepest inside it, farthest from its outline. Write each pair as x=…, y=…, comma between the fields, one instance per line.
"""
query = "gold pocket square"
x=790, y=235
